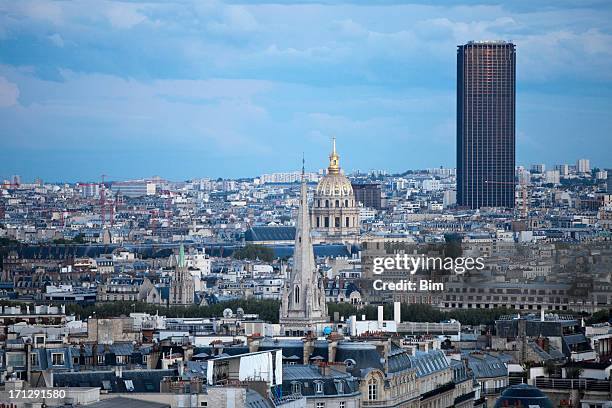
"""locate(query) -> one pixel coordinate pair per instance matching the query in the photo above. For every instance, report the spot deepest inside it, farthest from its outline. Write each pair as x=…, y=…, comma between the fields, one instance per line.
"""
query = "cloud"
x=9, y=93
x=207, y=76
x=56, y=40
x=234, y=20
x=124, y=16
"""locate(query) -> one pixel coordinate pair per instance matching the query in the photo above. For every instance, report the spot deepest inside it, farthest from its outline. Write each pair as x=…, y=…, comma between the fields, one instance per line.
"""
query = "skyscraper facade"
x=486, y=94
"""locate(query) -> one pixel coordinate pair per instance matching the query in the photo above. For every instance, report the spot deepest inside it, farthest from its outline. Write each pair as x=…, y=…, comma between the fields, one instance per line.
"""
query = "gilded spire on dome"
x=334, y=160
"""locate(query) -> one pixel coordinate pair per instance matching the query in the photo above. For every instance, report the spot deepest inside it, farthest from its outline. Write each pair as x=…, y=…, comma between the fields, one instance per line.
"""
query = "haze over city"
x=212, y=89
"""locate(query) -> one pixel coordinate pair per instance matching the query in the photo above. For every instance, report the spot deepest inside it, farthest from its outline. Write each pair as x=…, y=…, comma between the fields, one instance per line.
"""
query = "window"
x=57, y=359
x=297, y=294
x=342, y=404
x=339, y=387
x=318, y=387
x=145, y=358
x=203, y=403
x=320, y=405
x=296, y=388
x=33, y=359
x=129, y=385
x=337, y=222
x=372, y=390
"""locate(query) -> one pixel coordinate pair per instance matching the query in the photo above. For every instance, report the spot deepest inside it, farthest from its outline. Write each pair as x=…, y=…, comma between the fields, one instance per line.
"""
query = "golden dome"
x=334, y=184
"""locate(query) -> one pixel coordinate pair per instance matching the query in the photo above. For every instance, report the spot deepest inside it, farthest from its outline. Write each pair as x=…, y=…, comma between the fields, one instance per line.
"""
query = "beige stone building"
x=334, y=213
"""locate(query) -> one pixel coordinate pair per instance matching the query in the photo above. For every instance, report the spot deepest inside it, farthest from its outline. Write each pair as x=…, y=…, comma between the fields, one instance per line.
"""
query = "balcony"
x=493, y=391
x=574, y=384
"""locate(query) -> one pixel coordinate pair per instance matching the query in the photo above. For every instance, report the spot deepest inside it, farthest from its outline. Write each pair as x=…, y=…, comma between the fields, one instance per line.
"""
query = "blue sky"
x=211, y=89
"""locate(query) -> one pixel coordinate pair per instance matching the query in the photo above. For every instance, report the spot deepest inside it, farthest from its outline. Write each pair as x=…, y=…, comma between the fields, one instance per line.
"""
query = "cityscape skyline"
x=85, y=96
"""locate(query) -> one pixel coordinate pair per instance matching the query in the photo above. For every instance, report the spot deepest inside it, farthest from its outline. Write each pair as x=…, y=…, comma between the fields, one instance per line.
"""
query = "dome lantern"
x=334, y=160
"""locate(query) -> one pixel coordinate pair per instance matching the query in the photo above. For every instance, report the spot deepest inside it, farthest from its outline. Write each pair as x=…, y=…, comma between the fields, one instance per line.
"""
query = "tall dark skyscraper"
x=486, y=90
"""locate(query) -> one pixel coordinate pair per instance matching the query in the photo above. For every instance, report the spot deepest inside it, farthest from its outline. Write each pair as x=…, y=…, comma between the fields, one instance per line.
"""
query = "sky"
x=188, y=89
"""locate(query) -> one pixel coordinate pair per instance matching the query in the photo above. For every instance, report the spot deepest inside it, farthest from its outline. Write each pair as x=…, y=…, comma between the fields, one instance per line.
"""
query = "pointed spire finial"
x=181, y=260
x=334, y=159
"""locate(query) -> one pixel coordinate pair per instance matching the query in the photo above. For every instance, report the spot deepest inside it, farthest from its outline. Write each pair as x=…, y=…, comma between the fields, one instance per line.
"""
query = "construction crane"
x=103, y=201
x=524, y=195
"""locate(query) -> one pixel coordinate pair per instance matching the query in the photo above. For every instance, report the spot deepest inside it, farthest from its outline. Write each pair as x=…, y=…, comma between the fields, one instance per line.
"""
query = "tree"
x=253, y=252
x=266, y=309
x=453, y=245
x=573, y=372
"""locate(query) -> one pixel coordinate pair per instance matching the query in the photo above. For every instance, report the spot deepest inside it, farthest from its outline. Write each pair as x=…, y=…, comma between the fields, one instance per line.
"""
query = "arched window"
x=297, y=294
x=372, y=389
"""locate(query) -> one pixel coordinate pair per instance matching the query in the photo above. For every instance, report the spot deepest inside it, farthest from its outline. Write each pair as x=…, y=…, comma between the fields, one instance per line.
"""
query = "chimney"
x=253, y=343
x=332, y=346
x=353, y=325
x=380, y=317
x=397, y=312
x=28, y=351
x=308, y=349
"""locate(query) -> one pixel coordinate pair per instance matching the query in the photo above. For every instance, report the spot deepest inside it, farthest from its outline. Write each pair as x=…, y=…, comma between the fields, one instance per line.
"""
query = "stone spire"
x=181, y=259
x=303, y=304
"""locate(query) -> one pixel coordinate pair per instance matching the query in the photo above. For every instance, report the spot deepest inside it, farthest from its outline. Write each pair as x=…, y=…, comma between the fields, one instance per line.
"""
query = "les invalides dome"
x=334, y=213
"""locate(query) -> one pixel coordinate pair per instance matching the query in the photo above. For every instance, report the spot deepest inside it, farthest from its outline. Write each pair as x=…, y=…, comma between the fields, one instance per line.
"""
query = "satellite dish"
x=227, y=313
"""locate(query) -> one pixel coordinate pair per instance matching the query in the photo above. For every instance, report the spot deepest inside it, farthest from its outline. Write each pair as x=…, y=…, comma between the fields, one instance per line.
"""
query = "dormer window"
x=296, y=388
x=339, y=386
x=318, y=387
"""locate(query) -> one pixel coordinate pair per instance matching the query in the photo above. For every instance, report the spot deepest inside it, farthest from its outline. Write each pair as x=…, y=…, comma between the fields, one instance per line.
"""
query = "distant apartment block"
x=137, y=188
x=289, y=177
x=583, y=166
x=368, y=194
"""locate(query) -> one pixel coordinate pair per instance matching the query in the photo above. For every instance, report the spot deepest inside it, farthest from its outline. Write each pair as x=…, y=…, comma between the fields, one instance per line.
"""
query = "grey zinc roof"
x=430, y=362
x=142, y=380
x=255, y=400
x=487, y=366
x=308, y=372
x=270, y=234
x=122, y=402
